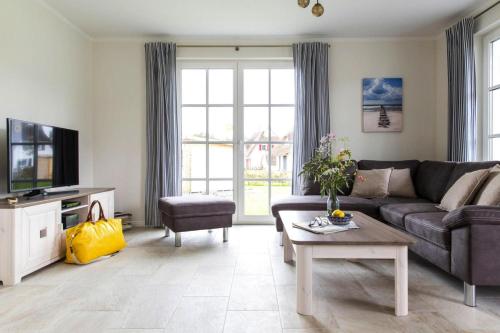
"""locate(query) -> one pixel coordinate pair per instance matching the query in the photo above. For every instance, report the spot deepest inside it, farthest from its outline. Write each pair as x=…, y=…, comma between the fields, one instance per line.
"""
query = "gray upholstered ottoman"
x=196, y=212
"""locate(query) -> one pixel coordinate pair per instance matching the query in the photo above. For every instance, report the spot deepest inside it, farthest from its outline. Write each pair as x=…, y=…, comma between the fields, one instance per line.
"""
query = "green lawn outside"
x=256, y=197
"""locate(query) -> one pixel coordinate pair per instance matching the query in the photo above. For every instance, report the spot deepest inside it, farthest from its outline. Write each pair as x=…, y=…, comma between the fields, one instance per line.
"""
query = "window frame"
x=238, y=141
x=487, y=91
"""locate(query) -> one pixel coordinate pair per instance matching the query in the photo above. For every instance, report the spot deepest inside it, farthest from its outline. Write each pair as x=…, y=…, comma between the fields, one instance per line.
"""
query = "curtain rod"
x=237, y=47
x=487, y=9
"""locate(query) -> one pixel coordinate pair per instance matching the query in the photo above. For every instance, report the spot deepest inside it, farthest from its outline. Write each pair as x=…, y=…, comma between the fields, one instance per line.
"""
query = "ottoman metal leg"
x=225, y=234
x=167, y=232
x=281, y=238
x=177, y=239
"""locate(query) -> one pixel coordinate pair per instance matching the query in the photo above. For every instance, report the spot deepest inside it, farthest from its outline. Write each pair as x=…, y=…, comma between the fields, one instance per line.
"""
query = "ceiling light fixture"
x=317, y=9
x=303, y=3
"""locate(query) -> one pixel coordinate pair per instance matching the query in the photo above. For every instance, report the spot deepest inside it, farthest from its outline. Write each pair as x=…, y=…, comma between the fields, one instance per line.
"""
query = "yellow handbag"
x=90, y=240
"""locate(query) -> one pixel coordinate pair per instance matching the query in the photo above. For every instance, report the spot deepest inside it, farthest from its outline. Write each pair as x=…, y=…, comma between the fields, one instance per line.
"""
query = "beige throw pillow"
x=462, y=192
x=489, y=194
x=401, y=184
x=371, y=183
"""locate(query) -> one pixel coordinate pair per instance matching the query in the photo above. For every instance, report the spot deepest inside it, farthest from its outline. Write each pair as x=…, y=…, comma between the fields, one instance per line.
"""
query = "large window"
x=492, y=123
x=207, y=131
x=237, y=131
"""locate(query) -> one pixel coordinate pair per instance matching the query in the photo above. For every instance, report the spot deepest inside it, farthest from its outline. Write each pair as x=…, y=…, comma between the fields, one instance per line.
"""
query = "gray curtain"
x=312, y=111
x=462, y=112
x=163, y=173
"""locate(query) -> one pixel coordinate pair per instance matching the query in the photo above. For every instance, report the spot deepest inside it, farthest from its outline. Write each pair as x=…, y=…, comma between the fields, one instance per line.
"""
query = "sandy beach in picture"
x=371, y=120
x=383, y=105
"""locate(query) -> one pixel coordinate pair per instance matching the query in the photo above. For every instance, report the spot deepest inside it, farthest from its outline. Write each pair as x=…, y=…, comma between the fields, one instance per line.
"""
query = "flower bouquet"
x=330, y=166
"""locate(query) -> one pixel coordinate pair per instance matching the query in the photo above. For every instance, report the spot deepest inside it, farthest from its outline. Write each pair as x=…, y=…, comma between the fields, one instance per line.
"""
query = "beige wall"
x=120, y=123
x=413, y=60
x=45, y=67
x=119, y=98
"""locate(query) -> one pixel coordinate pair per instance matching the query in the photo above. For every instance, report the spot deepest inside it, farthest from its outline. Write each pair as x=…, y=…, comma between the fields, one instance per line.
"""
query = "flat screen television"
x=40, y=156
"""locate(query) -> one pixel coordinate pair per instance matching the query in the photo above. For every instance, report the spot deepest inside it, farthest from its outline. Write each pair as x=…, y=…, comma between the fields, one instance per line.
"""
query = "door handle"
x=43, y=232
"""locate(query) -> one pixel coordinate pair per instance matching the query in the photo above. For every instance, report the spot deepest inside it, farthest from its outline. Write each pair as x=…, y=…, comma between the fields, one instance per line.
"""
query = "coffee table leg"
x=287, y=248
x=304, y=279
x=401, y=280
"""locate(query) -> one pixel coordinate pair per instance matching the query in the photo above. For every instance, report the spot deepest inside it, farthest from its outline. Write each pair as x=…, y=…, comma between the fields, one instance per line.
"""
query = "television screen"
x=41, y=156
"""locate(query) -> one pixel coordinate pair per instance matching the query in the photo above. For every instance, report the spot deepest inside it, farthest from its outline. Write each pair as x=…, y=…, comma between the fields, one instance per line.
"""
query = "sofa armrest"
x=472, y=215
x=475, y=244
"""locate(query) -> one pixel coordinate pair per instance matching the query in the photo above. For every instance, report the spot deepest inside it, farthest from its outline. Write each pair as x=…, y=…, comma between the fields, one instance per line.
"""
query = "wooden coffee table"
x=374, y=240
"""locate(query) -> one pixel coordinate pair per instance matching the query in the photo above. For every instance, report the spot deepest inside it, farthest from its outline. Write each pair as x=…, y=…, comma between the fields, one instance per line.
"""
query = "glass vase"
x=333, y=202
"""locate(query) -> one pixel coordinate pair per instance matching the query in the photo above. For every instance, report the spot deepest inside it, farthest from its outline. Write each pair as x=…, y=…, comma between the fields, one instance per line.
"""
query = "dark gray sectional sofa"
x=464, y=242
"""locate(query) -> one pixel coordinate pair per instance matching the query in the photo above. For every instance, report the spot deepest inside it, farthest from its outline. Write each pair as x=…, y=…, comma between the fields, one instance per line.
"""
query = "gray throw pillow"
x=463, y=191
x=371, y=183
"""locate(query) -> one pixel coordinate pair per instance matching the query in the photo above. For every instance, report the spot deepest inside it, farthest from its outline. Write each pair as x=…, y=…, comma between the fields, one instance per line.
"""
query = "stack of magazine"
x=125, y=217
x=321, y=225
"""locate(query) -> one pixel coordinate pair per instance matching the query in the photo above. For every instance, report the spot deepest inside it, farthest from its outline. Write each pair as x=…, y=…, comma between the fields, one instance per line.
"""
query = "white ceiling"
x=240, y=18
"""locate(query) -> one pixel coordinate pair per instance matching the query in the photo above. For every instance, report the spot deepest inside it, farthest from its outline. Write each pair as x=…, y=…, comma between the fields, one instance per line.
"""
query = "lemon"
x=338, y=213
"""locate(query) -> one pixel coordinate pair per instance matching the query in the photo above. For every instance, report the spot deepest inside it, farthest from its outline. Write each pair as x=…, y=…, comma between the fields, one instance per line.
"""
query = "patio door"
x=237, y=132
x=266, y=109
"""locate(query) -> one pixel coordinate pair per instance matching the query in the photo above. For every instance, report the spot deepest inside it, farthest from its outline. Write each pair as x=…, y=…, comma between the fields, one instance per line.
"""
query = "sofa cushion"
x=367, y=206
x=396, y=213
x=398, y=200
x=465, y=167
x=432, y=178
x=429, y=226
x=316, y=202
x=371, y=183
x=407, y=164
x=464, y=190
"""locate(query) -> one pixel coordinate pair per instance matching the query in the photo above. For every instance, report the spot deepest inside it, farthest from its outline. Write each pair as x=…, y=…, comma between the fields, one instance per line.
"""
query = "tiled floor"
x=240, y=286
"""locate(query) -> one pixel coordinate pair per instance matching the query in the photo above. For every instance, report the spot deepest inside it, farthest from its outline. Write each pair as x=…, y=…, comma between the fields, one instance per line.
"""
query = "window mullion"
x=207, y=134
x=269, y=163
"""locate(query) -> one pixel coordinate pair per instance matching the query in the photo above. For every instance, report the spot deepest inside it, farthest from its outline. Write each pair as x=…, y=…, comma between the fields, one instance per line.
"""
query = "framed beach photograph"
x=383, y=105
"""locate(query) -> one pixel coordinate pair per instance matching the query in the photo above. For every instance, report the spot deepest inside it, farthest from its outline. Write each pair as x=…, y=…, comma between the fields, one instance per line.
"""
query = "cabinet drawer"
x=42, y=229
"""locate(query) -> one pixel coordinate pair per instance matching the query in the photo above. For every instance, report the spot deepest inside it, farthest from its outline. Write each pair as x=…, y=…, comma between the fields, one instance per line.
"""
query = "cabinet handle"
x=43, y=233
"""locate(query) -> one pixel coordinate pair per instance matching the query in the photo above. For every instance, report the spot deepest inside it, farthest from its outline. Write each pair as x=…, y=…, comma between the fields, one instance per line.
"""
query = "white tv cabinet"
x=31, y=231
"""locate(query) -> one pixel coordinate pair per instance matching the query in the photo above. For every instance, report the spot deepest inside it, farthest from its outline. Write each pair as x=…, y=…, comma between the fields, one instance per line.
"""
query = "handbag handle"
x=101, y=212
